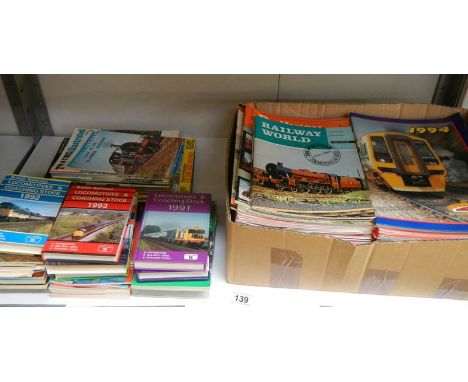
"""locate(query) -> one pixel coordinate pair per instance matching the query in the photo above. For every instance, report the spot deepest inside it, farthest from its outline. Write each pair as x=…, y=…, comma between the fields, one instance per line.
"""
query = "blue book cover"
x=26, y=216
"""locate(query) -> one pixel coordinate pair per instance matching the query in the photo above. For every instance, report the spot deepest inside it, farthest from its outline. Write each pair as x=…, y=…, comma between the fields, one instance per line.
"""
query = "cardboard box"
x=276, y=258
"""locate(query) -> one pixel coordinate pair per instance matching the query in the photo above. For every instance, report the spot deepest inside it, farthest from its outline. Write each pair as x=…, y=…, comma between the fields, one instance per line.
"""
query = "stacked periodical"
x=89, y=247
x=176, y=236
x=144, y=160
x=300, y=174
x=330, y=176
x=418, y=175
x=28, y=207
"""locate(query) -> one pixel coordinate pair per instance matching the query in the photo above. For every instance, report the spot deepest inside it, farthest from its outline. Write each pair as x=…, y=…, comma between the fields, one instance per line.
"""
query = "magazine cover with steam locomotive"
x=417, y=170
x=140, y=154
x=307, y=170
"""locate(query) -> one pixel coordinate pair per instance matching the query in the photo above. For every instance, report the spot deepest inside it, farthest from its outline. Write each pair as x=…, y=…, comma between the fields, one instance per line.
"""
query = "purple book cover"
x=175, y=230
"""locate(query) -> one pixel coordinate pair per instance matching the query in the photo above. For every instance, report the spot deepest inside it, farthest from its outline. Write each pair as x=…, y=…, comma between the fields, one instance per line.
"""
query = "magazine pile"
x=156, y=160
x=88, y=251
x=28, y=207
x=417, y=172
x=300, y=174
x=175, y=245
x=356, y=178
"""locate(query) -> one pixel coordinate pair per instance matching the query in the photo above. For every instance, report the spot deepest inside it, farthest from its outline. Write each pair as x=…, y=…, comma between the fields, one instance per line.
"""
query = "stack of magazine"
x=175, y=245
x=28, y=207
x=145, y=160
x=418, y=175
x=300, y=174
x=88, y=252
x=355, y=178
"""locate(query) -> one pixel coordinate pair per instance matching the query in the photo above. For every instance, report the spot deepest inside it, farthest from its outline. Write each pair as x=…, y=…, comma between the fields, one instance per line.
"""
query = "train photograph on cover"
x=401, y=162
x=280, y=177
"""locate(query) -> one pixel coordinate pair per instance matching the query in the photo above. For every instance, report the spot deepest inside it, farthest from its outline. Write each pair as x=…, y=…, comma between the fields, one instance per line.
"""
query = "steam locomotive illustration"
x=401, y=162
x=127, y=157
x=299, y=180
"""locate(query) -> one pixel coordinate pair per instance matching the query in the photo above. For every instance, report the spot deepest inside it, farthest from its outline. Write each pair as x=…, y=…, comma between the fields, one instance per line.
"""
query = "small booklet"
x=28, y=207
x=174, y=232
x=90, y=229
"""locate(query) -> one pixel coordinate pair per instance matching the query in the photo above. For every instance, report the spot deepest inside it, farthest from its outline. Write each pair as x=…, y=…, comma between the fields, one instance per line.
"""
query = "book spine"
x=188, y=161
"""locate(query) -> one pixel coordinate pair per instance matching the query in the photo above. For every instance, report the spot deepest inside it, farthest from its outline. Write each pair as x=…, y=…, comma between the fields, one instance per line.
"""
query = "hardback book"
x=307, y=170
x=417, y=172
x=190, y=286
x=172, y=275
x=91, y=230
x=28, y=207
x=174, y=233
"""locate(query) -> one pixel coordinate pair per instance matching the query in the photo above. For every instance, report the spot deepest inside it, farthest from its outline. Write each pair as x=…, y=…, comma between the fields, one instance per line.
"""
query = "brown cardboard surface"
x=278, y=258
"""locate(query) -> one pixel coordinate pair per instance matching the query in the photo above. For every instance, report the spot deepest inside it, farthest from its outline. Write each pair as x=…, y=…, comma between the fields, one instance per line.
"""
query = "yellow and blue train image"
x=194, y=237
x=401, y=162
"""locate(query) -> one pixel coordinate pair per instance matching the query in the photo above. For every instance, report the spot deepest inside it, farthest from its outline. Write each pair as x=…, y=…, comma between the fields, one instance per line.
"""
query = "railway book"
x=91, y=230
x=307, y=170
x=174, y=232
x=180, y=288
x=28, y=207
x=418, y=175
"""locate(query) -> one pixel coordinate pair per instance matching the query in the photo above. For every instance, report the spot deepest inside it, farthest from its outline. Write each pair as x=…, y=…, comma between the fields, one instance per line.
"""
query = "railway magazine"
x=307, y=170
x=418, y=175
x=351, y=227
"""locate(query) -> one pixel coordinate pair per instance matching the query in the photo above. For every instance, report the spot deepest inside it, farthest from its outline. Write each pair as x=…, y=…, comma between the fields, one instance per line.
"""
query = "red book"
x=88, y=230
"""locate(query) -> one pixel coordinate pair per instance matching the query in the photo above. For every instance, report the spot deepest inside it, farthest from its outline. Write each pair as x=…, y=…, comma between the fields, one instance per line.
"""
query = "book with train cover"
x=28, y=207
x=417, y=171
x=174, y=233
x=307, y=170
x=90, y=227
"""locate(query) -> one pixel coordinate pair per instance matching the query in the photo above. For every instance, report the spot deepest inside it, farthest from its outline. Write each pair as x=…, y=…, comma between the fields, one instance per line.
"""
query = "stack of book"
x=300, y=174
x=418, y=176
x=28, y=207
x=88, y=251
x=172, y=257
x=144, y=160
